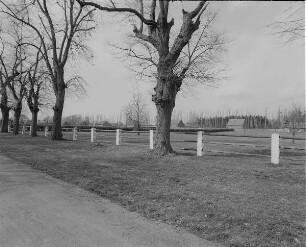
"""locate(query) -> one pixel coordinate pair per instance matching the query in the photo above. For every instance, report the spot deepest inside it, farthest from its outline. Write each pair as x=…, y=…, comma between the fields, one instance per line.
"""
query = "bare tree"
x=18, y=89
x=171, y=55
x=136, y=112
x=7, y=74
x=61, y=27
x=37, y=90
x=74, y=120
x=295, y=119
x=18, y=85
x=10, y=63
x=291, y=24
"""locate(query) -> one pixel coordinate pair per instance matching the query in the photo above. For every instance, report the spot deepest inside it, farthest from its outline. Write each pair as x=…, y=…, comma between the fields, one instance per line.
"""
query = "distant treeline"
x=251, y=122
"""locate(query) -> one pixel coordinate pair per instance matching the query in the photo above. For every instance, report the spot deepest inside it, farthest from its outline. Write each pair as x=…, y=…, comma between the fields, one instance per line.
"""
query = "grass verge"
x=231, y=199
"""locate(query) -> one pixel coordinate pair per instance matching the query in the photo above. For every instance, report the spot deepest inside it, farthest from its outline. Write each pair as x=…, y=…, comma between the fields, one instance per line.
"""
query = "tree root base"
x=163, y=151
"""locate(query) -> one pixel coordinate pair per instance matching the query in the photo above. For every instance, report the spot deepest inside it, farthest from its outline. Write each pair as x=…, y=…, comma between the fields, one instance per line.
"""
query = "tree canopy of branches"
x=174, y=57
x=18, y=85
x=291, y=24
x=59, y=31
x=10, y=77
x=7, y=74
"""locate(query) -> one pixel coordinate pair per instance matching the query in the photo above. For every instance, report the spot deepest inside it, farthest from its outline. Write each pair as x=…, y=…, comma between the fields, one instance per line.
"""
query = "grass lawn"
x=230, y=199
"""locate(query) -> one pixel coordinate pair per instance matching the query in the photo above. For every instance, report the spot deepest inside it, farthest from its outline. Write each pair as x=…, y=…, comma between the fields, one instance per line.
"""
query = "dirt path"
x=38, y=210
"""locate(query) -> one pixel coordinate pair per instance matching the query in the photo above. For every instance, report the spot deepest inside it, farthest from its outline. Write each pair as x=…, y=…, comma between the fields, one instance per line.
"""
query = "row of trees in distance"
x=135, y=115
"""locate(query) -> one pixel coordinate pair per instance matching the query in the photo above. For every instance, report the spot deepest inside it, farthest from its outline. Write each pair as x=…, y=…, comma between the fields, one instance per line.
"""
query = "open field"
x=236, y=200
x=259, y=144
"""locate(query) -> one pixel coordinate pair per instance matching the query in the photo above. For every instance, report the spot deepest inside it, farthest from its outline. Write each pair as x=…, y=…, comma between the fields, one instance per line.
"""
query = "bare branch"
x=116, y=9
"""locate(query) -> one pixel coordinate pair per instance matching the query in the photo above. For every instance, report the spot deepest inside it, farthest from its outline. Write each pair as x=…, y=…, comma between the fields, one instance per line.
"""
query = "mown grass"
x=234, y=200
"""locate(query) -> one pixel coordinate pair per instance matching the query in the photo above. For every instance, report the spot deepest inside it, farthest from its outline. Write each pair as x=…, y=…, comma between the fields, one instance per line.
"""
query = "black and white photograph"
x=152, y=123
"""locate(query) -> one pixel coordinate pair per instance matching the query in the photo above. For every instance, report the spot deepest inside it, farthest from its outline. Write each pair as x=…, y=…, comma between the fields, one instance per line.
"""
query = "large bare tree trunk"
x=17, y=113
x=163, y=125
x=57, y=120
x=58, y=108
x=34, y=122
x=164, y=99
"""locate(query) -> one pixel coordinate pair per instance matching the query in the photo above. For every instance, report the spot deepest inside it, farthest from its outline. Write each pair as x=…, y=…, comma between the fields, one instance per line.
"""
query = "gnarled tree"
x=167, y=54
x=61, y=27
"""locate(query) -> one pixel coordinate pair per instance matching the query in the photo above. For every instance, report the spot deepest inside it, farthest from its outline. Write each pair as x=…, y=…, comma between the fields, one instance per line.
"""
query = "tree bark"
x=5, y=111
x=163, y=127
x=17, y=113
x=34, y=122
x=58, y=108
x=167, y=87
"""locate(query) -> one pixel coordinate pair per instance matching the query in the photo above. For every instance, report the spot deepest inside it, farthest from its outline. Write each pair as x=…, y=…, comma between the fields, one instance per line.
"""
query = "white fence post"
x=151, y=139
x=46, y=131
x=200, y=150
x=93, y=134
x=23, y=130
x=275, y=148
x=118, y=137
x=30, y=130
x=8, y=128
x=75, y=134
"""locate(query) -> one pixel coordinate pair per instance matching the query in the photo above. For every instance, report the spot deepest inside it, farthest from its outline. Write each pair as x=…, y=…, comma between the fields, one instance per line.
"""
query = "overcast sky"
x=263, y=74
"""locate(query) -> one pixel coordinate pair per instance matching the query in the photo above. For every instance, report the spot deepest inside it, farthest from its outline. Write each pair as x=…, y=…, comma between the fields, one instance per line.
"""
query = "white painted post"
x=118, y=137
x=8, y=128
x=151, y=139
x=30, y=130
x=23, y=130
x=275, y=148
x=93, y=134
x=200, y=150
x=75, y=134
x=46, y=131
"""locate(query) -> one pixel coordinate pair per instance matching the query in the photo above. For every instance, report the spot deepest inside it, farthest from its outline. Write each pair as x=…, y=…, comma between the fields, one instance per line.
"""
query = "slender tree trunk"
x=5, y=111
x=293, y=136
x=34, y=122
x=17, y=113
x=58, y=109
